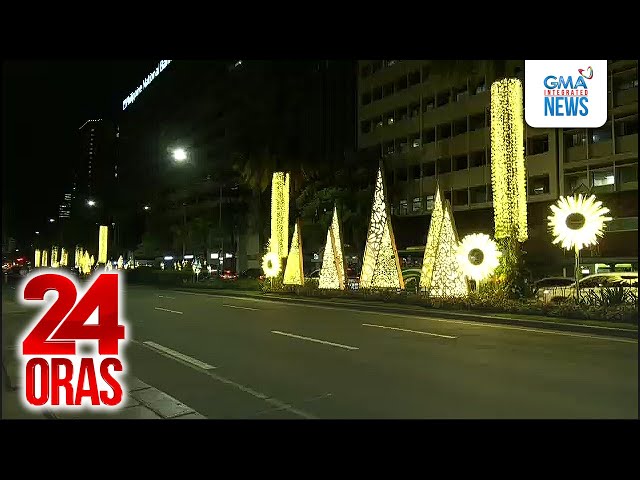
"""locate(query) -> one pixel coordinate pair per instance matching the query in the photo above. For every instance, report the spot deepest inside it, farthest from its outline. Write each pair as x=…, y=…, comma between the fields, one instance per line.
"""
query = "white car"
x=552, y=288
x=592, y=285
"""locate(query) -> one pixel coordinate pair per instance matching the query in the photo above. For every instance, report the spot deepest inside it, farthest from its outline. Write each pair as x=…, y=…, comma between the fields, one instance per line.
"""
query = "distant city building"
x=433, y=127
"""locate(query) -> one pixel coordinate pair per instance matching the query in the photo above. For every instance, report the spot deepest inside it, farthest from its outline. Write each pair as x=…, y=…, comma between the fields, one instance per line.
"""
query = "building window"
x=539, y=185
x=365, y=126
x=627, y=177
x=401, y=83
x=602, y=180
x=428, y=103
x=602, y=134
x=390, y=63
x=401, y=174
x=477, y=159
x=366, y=98
x=478, y=194
x=392, y=209
x=460, y=93
x=401, y=144
x=479, y=87
x=389, y=117
x=401, y=114
x=489, y=193
x=377, y=122
x=575, y=139
x=444, y=131
x=414, y=78
x=442, y=98
x=447, y=195
x=388, y=90
x=404, y=208
x=476, y=122
x=428, y=169
x=365, y=71
x=575, y=181
x=537, y=145
x=627, y=126
x=460, y=126
x=415, y=172
x=414, y=140
x=414, y=109
x=460, y=197
x=416, y=205
x=460, y=162
x=390, y=179
x=429, y=202
x=377, y=93
x=428, y=135
x=444, y=165
x=388, y=148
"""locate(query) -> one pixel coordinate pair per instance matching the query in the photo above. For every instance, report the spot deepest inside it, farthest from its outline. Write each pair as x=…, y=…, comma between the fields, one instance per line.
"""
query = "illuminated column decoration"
x=293, y=273
x=45, y=258
x=78, y=256
x=102, y=244
x=37, y=259
x=120, y=262
x=280, y=213
x=508, y=176
x=85, y=263
x=64, y=257
x=441, y=274
x=380, y=263
x=332, y=273
x=54, y=257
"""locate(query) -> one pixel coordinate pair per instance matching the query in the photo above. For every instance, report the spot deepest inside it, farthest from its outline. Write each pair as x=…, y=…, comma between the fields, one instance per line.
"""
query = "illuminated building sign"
x=145, y=83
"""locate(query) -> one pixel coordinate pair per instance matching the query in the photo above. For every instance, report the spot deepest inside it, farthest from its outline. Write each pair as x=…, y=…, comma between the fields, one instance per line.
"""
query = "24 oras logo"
x=588, y=73
x=62, y=367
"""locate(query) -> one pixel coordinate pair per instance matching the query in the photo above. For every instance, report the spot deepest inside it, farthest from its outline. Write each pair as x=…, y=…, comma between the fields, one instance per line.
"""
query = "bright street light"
x=91, y=203
x=51, y=220
x=179, y=154
x=37, y=233
x=147, y=207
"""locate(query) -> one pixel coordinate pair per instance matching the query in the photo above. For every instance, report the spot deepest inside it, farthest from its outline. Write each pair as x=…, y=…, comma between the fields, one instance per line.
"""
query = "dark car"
x=253, y=273
x=229, y=275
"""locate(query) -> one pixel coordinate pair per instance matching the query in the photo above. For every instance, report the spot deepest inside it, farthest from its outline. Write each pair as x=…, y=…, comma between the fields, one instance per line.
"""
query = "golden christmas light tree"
x=54, y=257
x=280, y=214
x=64, y=257
x=103, y=236
x=441, y=274
x=332, y=273
x=37, y=259
x=293, y=273
x=45, y=259
x=78, y=256
x=380, y=263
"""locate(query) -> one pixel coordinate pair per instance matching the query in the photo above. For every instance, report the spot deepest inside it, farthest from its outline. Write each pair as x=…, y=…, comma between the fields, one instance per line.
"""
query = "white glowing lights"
x=120, y=262
x=508, y=176
x=64, y=257
x=441, y=274
x=478, y=256
x=332, y=273
x=103, y=236
x=380, y=263
x=577, y=221
x=179, y=154
x=280, y=213
x=293, y=272
x=271, y=264
x=54, y=257
x=145, y=83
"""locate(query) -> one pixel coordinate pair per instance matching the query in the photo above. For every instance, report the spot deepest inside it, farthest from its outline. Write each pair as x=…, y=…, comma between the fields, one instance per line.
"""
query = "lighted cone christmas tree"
x=441, y=274
x=332, y=274
x=380, y=264
x=293, y=272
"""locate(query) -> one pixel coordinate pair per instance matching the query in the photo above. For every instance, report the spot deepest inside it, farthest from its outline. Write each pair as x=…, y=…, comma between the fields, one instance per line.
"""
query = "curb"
x=470, y=316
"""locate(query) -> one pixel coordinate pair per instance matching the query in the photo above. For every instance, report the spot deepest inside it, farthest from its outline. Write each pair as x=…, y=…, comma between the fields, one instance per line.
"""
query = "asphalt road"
x=241, y=358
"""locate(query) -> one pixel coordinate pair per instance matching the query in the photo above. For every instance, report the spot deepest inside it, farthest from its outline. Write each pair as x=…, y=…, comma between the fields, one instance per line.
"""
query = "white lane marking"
x=421, y=317
x=164, y=296
x=237, y=306
x=278, y=404
x=167, y=310
x=174, y=354
x=407, y=330
x=347, y=347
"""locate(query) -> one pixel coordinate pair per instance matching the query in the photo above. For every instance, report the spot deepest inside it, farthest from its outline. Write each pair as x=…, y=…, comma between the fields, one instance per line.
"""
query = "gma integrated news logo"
x=71, y=350
x=565, y=93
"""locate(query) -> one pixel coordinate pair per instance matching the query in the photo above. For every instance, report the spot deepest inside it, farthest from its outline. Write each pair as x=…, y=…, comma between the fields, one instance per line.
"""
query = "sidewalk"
x=142, y=402
x=529, y=321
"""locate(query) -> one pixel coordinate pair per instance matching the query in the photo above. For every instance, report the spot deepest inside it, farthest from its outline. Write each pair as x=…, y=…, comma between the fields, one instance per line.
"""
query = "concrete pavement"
x=231, y=357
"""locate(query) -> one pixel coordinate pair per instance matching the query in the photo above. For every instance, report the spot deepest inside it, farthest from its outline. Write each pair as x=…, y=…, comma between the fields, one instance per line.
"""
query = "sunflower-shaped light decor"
x=478, y=256
x=577, y=222
x=271, y=264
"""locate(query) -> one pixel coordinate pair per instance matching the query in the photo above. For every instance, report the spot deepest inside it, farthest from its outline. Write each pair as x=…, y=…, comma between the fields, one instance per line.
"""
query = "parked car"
x=592, y=284
x=253, y=273
x=551, y=288
x=229, y=275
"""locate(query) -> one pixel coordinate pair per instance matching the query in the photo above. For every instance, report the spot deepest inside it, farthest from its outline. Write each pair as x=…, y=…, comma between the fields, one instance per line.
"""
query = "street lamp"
x=91, y=203
x=179, y=154
x=147, y=207
x=51, y=220
x=37, y=232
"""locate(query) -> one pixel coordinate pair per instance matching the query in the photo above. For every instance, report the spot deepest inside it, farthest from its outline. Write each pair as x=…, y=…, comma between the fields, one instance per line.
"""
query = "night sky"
x=44, y=104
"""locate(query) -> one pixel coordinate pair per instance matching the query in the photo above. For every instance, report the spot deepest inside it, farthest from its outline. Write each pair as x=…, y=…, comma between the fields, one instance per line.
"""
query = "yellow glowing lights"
x=280, y=213
x=508, y=176
x=332, y=273
x=478, y=255
x=380, y=263
x=577, y=221
x=54, y=257
x=78, y=256
x=120, y=262
x=45, y=260
x=271, y=264
x=441, y=274
x=37, y=259
x=64, y=257
x=293, y=272
x=102, y=244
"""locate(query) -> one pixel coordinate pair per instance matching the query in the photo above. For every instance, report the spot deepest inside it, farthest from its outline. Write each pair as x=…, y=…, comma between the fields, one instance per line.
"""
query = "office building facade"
x=430, y=122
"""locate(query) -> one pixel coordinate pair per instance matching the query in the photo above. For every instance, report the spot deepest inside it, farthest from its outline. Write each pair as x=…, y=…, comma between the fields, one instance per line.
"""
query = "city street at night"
x=229, y=357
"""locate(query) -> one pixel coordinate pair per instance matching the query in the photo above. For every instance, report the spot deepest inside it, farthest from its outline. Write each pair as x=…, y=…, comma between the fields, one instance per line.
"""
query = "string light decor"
x=442, y=275
x=380, y=263
x=332, y=273
x=280, y=213
x=478, y=256
x=293, y=272
x=54, y=257
x=508, y=176
x=45, y=258
x=103, y=236
x=37, y=259
x=271, y=264
x=78, y=256
x=64, y=257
